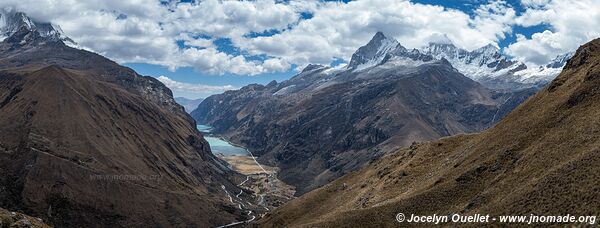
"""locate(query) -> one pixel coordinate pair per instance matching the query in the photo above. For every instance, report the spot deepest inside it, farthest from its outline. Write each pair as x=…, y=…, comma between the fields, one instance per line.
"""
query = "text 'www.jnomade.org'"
x=481, y=218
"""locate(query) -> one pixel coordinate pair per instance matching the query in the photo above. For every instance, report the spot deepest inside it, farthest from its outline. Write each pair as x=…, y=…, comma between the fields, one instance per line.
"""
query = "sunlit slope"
x=543, y=158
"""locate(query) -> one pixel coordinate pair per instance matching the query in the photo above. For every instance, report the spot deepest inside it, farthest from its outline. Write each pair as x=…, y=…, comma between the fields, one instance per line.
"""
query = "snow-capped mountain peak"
x=383, y=50
x=13, y=23
x=311, y=67
x=488, y=50
x=374, y=52
x=445, y=50
x=440, y=40
x=559, y=61
x=486, y=65
x=546, y=72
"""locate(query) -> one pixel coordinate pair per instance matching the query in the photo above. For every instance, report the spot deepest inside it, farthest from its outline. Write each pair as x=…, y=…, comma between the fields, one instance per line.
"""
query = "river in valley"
x=261, y=179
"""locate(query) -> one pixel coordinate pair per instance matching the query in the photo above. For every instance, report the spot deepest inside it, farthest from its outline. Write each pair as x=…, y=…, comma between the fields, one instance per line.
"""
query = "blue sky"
x=189, y=75
x=199, y=48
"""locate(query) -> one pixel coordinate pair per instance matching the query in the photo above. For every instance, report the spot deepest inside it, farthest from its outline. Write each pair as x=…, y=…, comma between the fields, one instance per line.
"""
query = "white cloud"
x=572, y=23
x=198, y=42
x=148, y=31
x=534, y=3
x=193, y=90
x=336, y=29
x=275, y=64
x=230, y=18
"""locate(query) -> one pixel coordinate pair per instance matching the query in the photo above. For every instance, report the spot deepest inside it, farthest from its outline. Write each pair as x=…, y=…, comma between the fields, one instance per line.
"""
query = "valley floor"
x=266, y=191
x=262, y=180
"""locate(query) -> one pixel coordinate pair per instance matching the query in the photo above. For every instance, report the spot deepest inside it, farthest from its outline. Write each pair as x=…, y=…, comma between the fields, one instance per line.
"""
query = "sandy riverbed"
x=247, y=166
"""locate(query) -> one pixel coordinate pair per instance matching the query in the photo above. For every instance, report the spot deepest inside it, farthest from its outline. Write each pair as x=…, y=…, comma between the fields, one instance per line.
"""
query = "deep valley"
x=242, y=113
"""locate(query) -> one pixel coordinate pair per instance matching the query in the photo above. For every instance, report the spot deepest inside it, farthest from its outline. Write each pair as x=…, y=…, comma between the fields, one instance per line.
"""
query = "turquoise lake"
x=203, y=128
x=219, y=146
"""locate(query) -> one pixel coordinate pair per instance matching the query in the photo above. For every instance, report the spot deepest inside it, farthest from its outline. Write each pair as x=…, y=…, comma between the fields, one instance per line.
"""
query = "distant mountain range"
x=485, y=65
x=325, y=122
x=188, y=104
x=85, y=142
x=542, y=159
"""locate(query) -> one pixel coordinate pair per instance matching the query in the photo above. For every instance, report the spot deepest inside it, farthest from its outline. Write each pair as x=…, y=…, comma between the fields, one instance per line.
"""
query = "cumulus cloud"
x=273, y=35
x=534, y=3
x=337, y=29
x=149, y=31
x=199, y=42
x=230, y=18
x=193, y=89
x=571, y=23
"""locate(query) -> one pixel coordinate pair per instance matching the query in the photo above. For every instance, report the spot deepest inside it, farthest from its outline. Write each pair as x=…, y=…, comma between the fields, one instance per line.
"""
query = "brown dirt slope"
x=85, y=142
x=543, y=158
x=77, y=151
x=317, y=135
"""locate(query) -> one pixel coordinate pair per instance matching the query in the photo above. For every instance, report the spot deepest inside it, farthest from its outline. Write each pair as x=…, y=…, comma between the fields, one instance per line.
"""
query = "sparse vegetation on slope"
x=543, y=158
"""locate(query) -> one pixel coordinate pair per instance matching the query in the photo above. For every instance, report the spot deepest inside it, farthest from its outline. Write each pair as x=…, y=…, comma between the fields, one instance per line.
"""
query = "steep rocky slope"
x=85, y=142
x=325, y=122
x=542, y=159
x=490, y=67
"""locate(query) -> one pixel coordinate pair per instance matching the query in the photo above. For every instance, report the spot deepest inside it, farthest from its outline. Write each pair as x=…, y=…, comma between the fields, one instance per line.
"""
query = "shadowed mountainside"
x=542, y=159
x=88, y=143
x=325, y=122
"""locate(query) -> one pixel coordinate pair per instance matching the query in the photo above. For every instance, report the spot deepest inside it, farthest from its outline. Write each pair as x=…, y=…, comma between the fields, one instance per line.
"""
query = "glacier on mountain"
x=486, y=65
x=12, y=22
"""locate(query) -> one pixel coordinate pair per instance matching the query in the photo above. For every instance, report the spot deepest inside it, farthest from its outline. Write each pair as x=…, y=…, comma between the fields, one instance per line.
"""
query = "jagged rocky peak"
x=272, y=83
x=440, y=44
x=311, y=67
x=545, y=73
x=375, y=51
x=536, y=135
x=444, y=48
x=11, y=22
x=488, y=49
x=486, y=65
x=560, y=60
x=18, y=27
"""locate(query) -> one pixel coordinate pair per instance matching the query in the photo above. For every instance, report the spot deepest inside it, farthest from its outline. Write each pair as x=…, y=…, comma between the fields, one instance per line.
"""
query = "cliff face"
x=85, y=142
x=542, y=159
x=325, y=122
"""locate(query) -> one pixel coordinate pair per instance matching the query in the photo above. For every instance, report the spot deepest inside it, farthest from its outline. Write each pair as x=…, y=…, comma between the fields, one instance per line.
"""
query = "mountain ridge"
x=324, y=122
x=529, y=163
x=12, y=22
x=89, y=143
x=486, y=65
